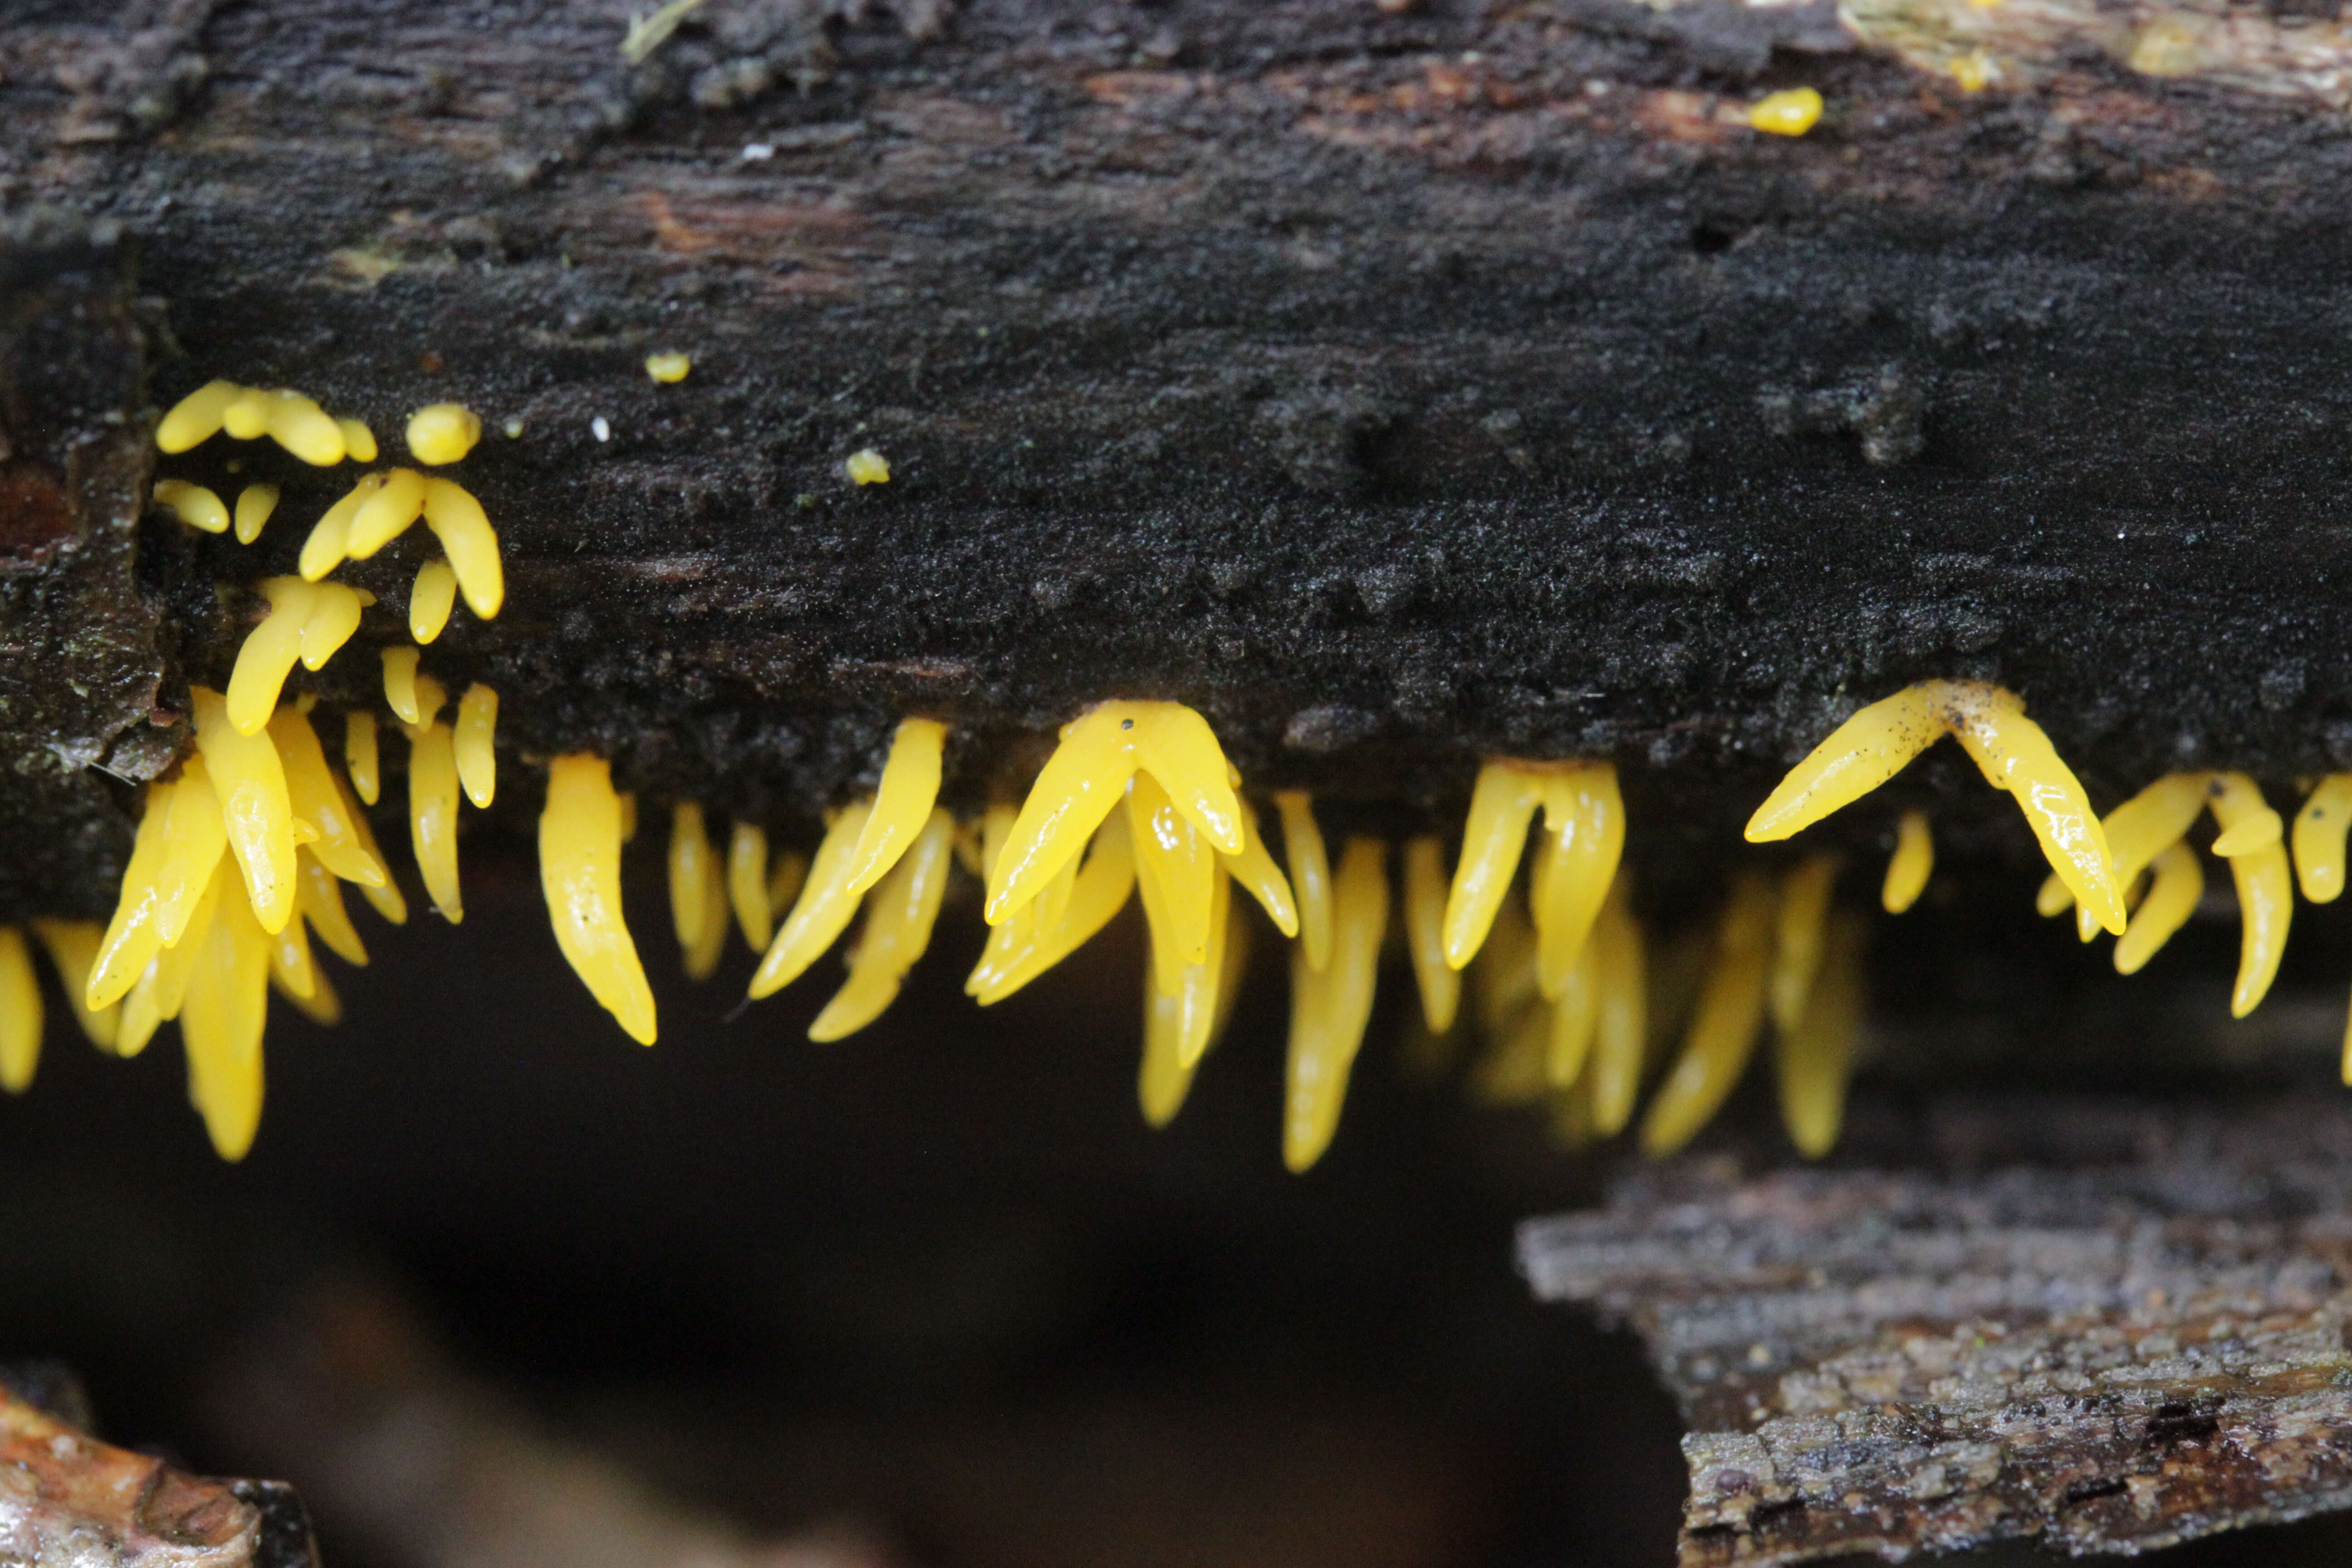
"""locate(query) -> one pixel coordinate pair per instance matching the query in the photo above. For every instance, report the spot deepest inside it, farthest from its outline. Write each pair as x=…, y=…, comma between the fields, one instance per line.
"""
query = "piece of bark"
x=2103, y=1325
x=68, y=1500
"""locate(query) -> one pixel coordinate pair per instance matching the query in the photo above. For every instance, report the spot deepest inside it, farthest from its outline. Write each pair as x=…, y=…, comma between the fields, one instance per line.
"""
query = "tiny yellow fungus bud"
x=193, y=505
x=476, y=732
x=579, y=871
x=358, y=441
x=246, y=416
x=359, y=754
x=431, y=600
x=747, y=884
x=1792, y=113
x=513, y=428
x=670, y=367
x=691, y=869
x=254, y=505
x=2319, y=830
x=197, y=417
x=1974, y=71
x=443, y=433
x=869, y=466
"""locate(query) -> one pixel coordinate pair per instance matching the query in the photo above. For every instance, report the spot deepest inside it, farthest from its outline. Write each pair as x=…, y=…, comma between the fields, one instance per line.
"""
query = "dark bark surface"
x=1396, y=388
x=2105, y=1326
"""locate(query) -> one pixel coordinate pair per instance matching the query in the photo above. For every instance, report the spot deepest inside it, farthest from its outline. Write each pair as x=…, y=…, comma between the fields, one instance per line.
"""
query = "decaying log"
x=68, y=1500
x=2106, y=1326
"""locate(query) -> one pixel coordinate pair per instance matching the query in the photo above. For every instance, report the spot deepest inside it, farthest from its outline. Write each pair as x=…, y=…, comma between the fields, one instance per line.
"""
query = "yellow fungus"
x=2172, y=899
x=1255, y=869
x=474, y=735
x=254, y=505
x=1504, y=983
x=360, y=754
x=443, y=433
x=1513, y=1071
x=20, y=1013
x=312, y=790
x=2008, y=748
x=255, y=809
x=1974, y=70
x=1176, y=875
x=1310, y=873
x=1330, y=1007
x=1913, y=860
x=195, y=837
x=432, y=815
x=1620, y=1031
x=269, y=653
x=821, y=913
x=1502, y=802
x=469, y=541
x=1798, y=926
x=318, y=898
x=2266, y=889
x=1813, y=1059
x=197, y=417
x=227, y=1003
x=329, y=543
x=72, y=947
x=1179, y=1025
x=869, y=466
x=700, y=961
x=193, y=504
x=1424, y=929
x=2259, y=829
x=431, y=600
x=400, y=684
x=667, y=367
x=2319, y=829
x=1722, y=1033
x=579, y=870
x=246, y=416
x=320, y=1003
x=1790, y=112
x=2137, y=831
x=898, y=919
x=387, y=900
x=384, y=514
x=747, y=884
x=164, y=983
x=358, y=441
x=902, y=801
x=334, y=617
x=1098, y=891
x=1084, y=778
x=692, y=867
x=1584, y=836
x=133, y=936
x=304, y=428
x=1573, y=1016
x=290, y=967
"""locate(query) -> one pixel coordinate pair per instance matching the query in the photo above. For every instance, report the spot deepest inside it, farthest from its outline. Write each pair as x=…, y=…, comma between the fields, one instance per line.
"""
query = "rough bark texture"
x=1395, y=387
x=2110, y=1327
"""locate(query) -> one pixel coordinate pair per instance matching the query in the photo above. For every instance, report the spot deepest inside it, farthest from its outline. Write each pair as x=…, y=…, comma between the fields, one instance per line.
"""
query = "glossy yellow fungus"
x=320, y=898
x=1176, y=875
x=1086, y=776
x=72, y=947
x=1255, y=870
x=2319, y=830
x=254, y=505
x=225, y=1002
x=1622, y=1031
x=474, y=737
x=195, y=837
x=747, y=884
x=443, y=433
x=269, y=653
x=1575, y=1013
x=1814, y=1058
x=196, y=418
x=432, y=814
x=1330, y=1007
x=163, y=984
x=1425, y=887
x=786, y=878
x=867, y=466
x=693, y=866
x=358, y=441
x=1180, y=1026
x=579, y=871
x=898, y=930
x=821, y=913
x=1310, y=873
x=385, y=513
x=1723, y=1028
x=1790, y=112
x=2179, y=882
x=1800, y=926
x=2258, y=864
x=1913, y=862
x=432, y=598
x=469, y=542
x=1584, y=835
x=193, y=504
x=246, y=418
x=132, y=935
x=255, y=808
x=360, y=754
x=20, y=1012
x=305, y=429
x=667, y=367
x=327, y=545
x=340, y=845
x=903, y=800
x=400, y=684
x=1096, y=893
x=2008, y=748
